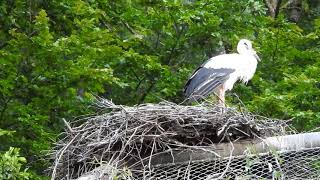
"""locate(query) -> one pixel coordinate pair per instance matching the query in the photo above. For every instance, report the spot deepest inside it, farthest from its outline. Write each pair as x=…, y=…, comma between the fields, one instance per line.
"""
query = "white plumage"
x=219, y=73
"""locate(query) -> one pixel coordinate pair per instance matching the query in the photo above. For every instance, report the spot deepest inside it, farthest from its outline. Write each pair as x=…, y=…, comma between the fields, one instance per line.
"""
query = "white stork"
x=219, y=73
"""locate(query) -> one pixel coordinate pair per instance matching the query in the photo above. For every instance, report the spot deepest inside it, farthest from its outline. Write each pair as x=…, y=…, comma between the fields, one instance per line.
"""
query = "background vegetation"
x=55, y=54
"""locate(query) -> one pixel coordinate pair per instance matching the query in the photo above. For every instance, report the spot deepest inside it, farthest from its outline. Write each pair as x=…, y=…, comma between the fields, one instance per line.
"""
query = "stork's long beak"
x=254, y=53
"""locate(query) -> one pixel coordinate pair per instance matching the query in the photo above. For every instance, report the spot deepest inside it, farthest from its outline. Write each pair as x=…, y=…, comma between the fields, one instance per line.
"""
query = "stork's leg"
x=222, y=96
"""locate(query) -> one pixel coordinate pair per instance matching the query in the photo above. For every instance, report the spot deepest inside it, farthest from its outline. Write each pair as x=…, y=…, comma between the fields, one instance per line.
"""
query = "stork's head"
x=245, y=47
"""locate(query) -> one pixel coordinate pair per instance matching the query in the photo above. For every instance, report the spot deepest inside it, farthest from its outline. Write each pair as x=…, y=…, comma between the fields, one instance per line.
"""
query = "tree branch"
x=277, y=8
x=147, y=92
x=273, y=7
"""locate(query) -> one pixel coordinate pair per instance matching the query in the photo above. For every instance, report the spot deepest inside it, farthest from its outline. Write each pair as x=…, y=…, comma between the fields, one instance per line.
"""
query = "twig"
x=68, y=125
x=60, y=156
x=229, y=162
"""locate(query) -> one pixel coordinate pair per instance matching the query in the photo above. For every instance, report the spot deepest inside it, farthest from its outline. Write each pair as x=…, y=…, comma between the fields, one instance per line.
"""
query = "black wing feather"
x=204, y=81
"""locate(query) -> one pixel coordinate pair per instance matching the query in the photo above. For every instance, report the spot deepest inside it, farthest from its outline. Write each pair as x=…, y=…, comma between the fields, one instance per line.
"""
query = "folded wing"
x=204, y=81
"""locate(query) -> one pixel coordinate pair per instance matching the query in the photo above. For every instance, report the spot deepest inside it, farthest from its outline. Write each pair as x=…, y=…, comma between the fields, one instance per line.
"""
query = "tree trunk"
x=273, y=7
x=295, y=10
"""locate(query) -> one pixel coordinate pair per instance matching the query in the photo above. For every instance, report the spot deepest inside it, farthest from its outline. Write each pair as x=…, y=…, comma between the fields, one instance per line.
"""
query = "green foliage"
x=11, y=162
x=287, y=84
x=11, y=165
x=55, y=54
x=5, y=132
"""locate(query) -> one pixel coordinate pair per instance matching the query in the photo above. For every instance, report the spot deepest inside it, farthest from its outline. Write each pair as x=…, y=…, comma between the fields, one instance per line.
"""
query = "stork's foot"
x=222, y=108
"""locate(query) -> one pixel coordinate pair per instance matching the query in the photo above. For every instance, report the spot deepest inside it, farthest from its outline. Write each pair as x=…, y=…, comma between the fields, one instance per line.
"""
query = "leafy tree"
x=10, y=165
x=11, y=162
x=55, y=54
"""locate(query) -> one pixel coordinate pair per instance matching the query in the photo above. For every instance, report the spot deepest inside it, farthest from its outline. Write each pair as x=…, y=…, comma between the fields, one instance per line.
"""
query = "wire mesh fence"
x=303, y=164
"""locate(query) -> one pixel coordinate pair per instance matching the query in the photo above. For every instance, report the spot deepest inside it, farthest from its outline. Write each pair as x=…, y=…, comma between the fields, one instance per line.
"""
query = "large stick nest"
x=127, y=136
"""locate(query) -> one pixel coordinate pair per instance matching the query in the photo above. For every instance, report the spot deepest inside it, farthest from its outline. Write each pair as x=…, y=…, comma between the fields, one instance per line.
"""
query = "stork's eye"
x=246, y=45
